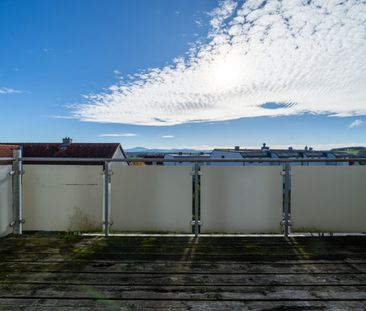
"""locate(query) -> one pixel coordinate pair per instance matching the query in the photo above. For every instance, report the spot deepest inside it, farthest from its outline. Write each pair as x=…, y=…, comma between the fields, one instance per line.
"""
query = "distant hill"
x=137, y=149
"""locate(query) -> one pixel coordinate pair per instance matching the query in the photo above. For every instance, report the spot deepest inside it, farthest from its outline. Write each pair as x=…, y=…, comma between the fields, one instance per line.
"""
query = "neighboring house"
x=186, y=156
x=266, y=153
x=309, y=153
x=68, y=149
x=226, y=154
x=238, y=153
x=156, y=156
x=6, y=151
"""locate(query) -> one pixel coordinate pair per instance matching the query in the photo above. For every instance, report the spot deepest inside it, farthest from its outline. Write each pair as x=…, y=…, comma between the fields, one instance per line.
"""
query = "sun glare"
x=226, y=72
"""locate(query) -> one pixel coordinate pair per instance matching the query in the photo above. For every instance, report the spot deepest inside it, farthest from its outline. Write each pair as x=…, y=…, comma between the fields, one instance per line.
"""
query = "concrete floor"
x=70, y=272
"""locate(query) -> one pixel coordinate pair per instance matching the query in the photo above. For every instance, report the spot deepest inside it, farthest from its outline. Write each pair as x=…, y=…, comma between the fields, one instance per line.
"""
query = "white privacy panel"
x=329, y=199
x=241, y=199
x=151, y=198
x=62, y=197
x=5, y=199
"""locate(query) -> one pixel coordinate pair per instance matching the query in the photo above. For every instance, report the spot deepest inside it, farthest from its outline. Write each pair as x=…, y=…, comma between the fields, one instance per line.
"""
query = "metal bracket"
x=12, y=173
x=108, y=223
x=286, y=230
x=199, y=173
x=15, y=222
x=282, y=223
x=284, y=173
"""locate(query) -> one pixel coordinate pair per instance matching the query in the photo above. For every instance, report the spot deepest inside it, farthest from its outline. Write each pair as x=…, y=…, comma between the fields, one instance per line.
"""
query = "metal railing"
x=191, y=160
x=17, y=173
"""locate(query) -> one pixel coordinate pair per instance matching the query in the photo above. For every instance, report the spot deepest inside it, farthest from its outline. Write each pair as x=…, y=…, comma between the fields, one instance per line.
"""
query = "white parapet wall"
x=151, y=199
x=241, y=199
x=328, y=199
x=5, y=199
x=62, y=197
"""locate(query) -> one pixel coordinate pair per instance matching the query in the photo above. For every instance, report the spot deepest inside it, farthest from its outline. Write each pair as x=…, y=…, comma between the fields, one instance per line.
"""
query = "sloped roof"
x=281, y=153
x=6, y=151
x=73, y=150
x=255, y=154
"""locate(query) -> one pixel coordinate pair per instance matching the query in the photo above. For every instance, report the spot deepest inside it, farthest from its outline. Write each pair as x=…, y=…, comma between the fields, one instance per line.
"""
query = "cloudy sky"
x=195, y=73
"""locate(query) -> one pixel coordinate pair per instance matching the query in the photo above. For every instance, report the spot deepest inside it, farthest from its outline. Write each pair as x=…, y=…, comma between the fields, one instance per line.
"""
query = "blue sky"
x=200, y=74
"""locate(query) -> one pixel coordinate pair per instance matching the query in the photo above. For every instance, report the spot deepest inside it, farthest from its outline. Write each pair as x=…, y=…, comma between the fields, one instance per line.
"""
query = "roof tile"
x=6, y=151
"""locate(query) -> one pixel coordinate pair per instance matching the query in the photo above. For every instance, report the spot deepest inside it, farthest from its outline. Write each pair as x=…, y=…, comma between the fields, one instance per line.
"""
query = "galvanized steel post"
x=106, y=198
x=287, y=189
x=196, y=199
x=17, y=192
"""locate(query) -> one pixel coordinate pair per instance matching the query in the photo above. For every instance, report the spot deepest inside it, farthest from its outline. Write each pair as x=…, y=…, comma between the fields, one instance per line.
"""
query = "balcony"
x=117, y=237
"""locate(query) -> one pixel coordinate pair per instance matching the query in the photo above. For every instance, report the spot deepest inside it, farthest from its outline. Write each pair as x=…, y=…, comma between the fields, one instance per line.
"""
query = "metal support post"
x=17, y=192
x=286, y=204
x=107, y=181
x=196, y=199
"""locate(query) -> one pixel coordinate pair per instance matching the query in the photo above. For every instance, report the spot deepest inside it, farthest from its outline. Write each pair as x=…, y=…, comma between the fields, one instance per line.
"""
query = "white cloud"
x=5, y=90
x=118, y=135
x=167, y=136
x=62, y=117
x=309, y=55
x=356, y=123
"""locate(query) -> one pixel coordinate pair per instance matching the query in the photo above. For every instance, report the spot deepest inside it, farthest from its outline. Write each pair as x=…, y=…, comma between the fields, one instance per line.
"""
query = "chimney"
x=237, y=148
x=67, y=141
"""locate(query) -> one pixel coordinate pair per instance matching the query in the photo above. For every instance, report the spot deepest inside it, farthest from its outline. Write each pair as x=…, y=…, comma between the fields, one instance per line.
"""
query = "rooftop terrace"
x=69, y=272
x=251, y=238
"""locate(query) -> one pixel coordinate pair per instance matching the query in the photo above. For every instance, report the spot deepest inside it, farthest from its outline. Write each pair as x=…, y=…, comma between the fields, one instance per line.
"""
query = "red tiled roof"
x=6, y=151
x=74, y=150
